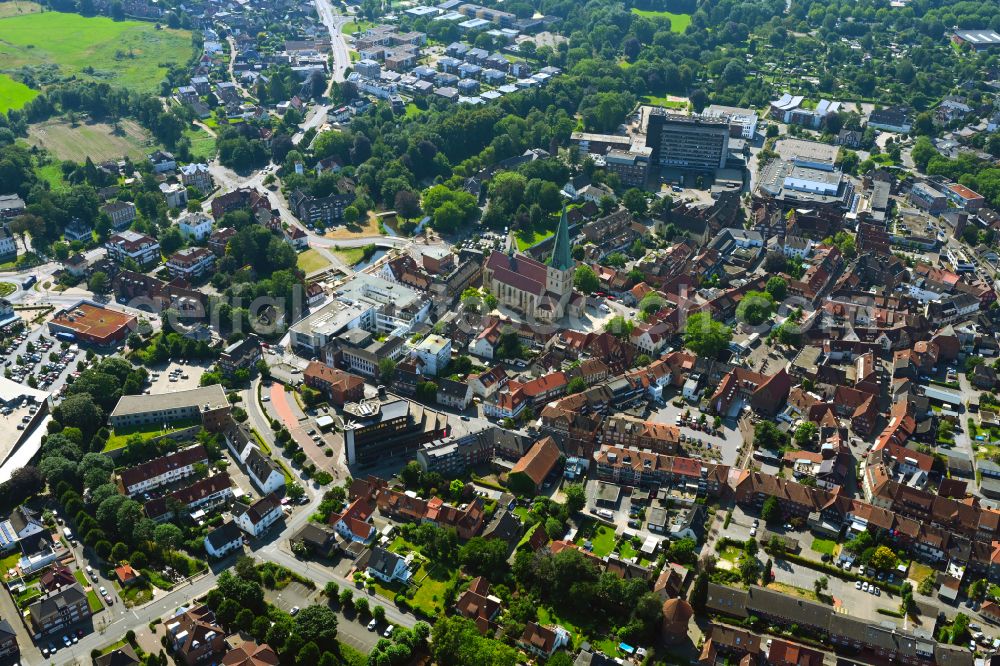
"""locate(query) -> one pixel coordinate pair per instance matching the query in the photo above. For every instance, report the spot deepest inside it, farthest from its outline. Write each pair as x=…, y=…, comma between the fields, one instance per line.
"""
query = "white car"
x=864, y=588
x=388, y=631
x=372, y=624
x=753, y=531
x=857, y=585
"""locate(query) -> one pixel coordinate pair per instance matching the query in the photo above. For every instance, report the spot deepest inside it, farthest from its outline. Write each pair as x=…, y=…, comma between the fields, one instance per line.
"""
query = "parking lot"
x=723, y=446
x=175, y=376
x=44, y=360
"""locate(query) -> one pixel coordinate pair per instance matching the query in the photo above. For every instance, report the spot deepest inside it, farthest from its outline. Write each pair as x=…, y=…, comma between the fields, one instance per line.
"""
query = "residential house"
x=58, y=609
x=241, y=355
x=191, y=263
x=195, y=636
x=264, y=472
x=542, y=641
x=339, y=386
x=453, y=393
x=387, y=566
x=478, y=605
x=195, y=226
x=197, y=176
x=256, y=518
x=162, y=471
x=250, y=653
x=224, y=539
x=122, y=214
x=140, y=248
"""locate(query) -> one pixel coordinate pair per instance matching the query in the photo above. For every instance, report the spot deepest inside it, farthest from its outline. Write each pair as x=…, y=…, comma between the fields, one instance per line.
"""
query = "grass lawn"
x=136, y=595
x=114, y=646
x=678, y=22
x=666, y=101
x=412, y=110
x=522, y=513
x=794, y=591
x=14, y=94
x=80, y=578
x=132, y=54
x=9, y=562
x=52, y=173
x=118, y=438
x=98, y=141
x=356, y=26
x=311, y=261
x=202, y=143
x=350, y=255
x=530, y=238
x=95, y=603
x=824, y=546
x=626, y=549
x=7, y=288
x=603, y=540
x=429, y=597
x=919, y=572
x=731, y=554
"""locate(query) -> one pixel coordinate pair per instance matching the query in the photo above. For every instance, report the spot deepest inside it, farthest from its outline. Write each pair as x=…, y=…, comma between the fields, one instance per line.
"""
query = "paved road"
x=341, y=61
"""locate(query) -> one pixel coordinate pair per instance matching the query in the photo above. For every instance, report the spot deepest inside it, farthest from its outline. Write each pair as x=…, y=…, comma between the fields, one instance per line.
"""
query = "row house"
x=207, y=493
x=629, y=432
x=633, y=467
x=161, y=471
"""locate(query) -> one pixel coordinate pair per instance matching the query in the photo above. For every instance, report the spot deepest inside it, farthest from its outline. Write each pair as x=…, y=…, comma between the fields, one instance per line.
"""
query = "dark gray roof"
x=383, y=561
x=260, y=465
x=53, y=602
x=224, y=534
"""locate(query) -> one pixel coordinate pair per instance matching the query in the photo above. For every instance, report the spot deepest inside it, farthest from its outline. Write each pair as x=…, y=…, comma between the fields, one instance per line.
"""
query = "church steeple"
x=562, y=258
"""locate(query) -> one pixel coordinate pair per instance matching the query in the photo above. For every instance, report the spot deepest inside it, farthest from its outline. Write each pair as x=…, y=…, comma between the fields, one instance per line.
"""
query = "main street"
x=341, y=60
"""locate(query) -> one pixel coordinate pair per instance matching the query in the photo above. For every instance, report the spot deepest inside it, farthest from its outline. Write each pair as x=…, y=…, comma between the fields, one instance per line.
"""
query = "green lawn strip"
x=80, y=578
x=137, y=594
x=114, y=646
x=95, y=602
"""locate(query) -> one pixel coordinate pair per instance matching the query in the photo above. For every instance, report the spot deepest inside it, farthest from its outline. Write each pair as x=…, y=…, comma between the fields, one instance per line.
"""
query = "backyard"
x=600, y=536
x=824, y=546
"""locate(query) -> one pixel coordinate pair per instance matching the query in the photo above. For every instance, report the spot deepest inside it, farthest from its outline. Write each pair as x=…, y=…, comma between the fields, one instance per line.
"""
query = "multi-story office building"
x=694, y=143
x=374, y=432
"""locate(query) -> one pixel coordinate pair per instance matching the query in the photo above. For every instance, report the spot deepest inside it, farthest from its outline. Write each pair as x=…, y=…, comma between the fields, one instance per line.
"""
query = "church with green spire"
x=534, y=289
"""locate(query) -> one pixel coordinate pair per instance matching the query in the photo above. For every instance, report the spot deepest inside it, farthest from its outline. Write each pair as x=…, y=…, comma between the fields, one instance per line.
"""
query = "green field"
x=202, y=143
x=7, y=288
x=678, y=22
x=824, y=546
x=98, y=141
x=52, y=173
x=311, y=261
x=356, y=26
x=120, y=437
x=14, y=94
x=131, y=54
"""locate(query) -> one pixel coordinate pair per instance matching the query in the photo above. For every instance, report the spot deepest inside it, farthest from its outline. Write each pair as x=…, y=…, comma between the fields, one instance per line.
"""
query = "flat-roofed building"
x=374, y=431
x=92, y=323
x=979, y=40
x=687, y=142
x=742, y=122
x=165, y=408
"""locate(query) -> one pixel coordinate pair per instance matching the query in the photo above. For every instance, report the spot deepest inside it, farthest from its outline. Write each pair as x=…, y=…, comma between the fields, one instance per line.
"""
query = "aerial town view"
x=530, y=332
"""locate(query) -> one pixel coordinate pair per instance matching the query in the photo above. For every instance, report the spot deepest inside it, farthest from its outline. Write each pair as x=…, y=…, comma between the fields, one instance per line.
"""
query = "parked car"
x=372, y=625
